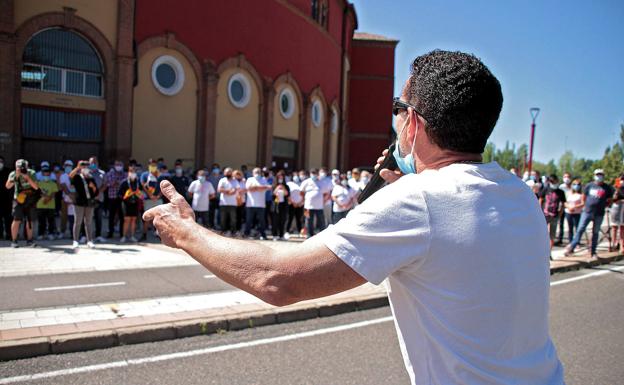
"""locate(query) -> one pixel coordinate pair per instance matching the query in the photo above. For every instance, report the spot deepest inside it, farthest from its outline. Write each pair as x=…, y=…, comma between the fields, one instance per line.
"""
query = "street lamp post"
x=534, y=112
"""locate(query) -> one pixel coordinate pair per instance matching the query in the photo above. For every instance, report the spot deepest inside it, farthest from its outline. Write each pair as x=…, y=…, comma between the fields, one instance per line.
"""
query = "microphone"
x=377, y=181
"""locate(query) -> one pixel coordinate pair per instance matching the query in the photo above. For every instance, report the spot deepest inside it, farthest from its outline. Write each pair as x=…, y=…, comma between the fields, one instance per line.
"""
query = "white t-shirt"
x=465, y=250
x=327, y=185
x=295, y=193
x=66, y=181
x=343, y=195
x=201, y=195
x=313, y=194
x=224, y=199
x=355, y=185
x=256, y=198
x=574, y=198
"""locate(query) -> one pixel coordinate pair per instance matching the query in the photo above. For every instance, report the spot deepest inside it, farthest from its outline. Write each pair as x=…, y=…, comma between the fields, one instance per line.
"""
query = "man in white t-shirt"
x=313, y=192
x=463, y=245
x=295, y=208
x=327, y=182
x=256, y=187
x=344, y=198
x=228, y=187
x=67, y=202
x=201, y=192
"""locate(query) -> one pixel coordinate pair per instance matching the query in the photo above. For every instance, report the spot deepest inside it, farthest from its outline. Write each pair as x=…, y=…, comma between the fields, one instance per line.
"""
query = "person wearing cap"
x=46, y=206
x=597, y=195
x=25, y=198
x=67, y=202
x=39, y=173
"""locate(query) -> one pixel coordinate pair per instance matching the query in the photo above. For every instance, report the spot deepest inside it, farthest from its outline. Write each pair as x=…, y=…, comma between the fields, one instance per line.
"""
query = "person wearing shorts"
x=130, y=192
x=552, y=199
x=25, y=197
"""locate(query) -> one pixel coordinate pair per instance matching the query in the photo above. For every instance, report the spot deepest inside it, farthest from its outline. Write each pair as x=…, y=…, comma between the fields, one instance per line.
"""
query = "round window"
x=317, y=113
x=167, y=75
x=239, y=90
x=287, y=103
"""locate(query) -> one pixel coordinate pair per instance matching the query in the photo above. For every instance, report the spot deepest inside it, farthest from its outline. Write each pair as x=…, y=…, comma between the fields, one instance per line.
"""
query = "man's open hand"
x=175, y=220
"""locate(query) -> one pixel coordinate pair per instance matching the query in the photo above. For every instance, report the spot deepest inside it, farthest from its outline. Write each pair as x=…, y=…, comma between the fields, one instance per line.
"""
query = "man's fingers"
x=170, y=192
x=389, y=175
x=150, y=214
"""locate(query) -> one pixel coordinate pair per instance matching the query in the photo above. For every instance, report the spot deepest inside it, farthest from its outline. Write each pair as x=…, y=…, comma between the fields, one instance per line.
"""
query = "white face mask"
x=132, y=175
x=567, y=181
x=118, y=168
x=322, y=175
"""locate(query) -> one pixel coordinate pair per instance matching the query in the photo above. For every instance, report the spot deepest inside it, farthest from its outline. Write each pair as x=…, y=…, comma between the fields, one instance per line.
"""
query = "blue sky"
x=566, y=57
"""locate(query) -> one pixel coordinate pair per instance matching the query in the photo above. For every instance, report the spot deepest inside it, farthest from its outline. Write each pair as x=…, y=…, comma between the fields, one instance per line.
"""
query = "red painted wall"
x=274, y=37
x=371, y=89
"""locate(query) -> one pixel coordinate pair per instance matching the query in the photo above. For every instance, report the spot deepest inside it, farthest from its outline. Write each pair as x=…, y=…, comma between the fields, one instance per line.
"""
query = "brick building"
x=282, y=82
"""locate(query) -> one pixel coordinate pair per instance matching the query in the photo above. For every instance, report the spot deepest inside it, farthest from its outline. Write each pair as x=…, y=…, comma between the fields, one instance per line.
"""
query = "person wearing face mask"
x=328, y=184
x=268, y=196
x=149, y=182
x=6, y=200
x=552, y=199
x=67, y=202
x=85, y=202
x=597, y=195
x=256, y=188
x=46, y=206
x=566, y=187
x=241, y=193
x=573, y=208
x=466, y=267
x=616, y=214
x=180, y=181
x=228, y=188
x=130, y=192
x=344, y=198
x=214, y=215
x=113, y=180
x=201, y=192
x=312, y=192
x=295, y=205
x=281, y=192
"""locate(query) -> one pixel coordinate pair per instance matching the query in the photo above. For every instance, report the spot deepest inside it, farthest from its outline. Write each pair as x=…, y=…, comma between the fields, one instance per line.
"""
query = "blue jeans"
x=320, y=221
x=255, y=213
x=583, y=223
x=573, y=223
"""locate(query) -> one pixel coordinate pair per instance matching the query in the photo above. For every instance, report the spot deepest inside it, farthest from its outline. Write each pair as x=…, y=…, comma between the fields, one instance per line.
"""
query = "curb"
x=251, y=316
x=102, y=339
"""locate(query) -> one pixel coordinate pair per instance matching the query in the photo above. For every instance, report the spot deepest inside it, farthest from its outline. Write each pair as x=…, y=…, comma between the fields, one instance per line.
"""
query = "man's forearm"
x=247, y=265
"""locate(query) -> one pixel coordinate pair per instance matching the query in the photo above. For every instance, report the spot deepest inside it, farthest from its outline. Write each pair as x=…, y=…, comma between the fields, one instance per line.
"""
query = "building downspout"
x=341, y=156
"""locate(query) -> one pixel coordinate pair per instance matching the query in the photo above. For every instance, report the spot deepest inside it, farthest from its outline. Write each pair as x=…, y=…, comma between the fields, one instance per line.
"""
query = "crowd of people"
x=71, y=200
x=577, y=205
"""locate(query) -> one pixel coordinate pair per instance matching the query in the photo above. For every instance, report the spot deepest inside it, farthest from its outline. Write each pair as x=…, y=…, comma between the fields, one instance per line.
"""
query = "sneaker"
x=30, y=243
x=51, y=237
x=123, y=240
x=275, y=239
x=40, y=238
x=75, y=244
x=262, y=238
x=567, y=252
x=83, y=239
x=14, y=244
x=286, y=236
x=59, y=236
x=100, y=239
x=227, y=234
x=133, y=239
x=143, y=238
x=90, y=245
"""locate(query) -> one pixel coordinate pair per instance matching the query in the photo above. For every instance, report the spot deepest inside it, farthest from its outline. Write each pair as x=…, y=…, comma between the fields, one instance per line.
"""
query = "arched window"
x=59, y=60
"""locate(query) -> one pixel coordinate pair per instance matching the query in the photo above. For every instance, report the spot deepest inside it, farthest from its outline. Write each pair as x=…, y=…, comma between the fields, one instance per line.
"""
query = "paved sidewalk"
x=31, y=332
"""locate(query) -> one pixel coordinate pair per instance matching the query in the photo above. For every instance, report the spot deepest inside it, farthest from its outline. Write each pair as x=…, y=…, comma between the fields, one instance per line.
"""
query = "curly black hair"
x=458, y=97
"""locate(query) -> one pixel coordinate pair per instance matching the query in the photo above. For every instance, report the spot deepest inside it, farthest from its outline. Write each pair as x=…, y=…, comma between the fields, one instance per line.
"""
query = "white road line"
x=85, y=286
x=192, y=353
x=210, y=276
x=597, y=273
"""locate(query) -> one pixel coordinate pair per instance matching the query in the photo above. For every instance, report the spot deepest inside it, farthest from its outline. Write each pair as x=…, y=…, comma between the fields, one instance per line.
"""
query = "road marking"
x=597, y=273
x=192, y=353
x=210, y=276
x=85, y=286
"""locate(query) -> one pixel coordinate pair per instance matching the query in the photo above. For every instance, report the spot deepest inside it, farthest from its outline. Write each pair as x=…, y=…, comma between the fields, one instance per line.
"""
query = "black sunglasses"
x=399, y=105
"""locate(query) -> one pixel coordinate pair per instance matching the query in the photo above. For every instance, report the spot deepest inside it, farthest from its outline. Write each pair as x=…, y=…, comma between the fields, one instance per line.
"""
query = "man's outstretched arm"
x=278, y=277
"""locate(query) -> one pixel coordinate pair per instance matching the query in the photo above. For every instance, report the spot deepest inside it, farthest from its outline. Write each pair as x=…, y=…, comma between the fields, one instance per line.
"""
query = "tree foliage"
x=612, y=161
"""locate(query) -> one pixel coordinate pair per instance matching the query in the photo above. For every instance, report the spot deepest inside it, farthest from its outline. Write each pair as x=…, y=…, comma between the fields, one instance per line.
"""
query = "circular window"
x=334, y=121
x=167, y=75
x=239, y=90
x=317, y=113
x=287, y=103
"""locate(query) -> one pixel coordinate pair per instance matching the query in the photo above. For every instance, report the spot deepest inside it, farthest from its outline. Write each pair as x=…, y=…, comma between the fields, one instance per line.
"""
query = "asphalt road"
x=354, y=348
x=35, y=291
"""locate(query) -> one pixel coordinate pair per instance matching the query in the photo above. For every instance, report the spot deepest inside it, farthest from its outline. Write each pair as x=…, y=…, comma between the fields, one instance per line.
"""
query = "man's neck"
x=445, y=158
